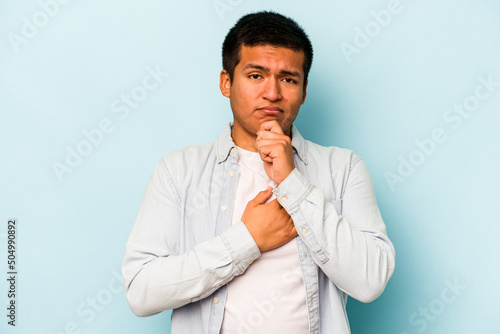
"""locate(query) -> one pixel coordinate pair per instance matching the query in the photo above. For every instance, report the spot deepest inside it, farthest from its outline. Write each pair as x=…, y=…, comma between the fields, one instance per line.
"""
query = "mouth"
x=271, y=111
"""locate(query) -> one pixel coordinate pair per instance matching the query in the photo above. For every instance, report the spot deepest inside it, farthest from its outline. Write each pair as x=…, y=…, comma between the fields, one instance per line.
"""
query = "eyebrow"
x=267, y=70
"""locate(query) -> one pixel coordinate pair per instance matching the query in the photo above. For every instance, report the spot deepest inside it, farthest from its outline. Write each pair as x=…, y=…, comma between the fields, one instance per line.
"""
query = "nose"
x=272, y=90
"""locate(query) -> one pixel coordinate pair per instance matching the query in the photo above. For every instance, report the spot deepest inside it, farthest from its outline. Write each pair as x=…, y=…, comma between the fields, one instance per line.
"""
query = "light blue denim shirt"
x=183, y=250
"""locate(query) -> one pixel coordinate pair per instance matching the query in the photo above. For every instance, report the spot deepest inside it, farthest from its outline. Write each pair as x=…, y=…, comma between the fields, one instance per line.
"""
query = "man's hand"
x=275, y=149
x=268, y=223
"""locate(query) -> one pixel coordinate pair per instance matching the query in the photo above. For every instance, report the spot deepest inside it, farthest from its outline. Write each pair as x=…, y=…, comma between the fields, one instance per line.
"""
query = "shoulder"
x=190, y=152
x=334, y=168
x=342, y=158
x=189, y=156
x=336, y=158
x=201, y=154
x=184, y=166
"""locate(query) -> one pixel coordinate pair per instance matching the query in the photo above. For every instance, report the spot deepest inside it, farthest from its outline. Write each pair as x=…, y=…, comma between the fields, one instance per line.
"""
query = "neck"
x=244, y=140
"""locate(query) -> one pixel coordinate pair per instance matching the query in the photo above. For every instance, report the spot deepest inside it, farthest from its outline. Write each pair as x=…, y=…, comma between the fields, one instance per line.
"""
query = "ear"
x=304, y=93
x=225, y=83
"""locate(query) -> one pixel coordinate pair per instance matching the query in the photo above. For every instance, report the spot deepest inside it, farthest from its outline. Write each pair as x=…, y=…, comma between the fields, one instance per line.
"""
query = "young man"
x=259, y=231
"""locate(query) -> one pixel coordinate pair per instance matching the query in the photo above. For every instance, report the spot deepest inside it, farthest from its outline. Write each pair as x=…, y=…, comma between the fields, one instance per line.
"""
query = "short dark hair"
x=265, y=28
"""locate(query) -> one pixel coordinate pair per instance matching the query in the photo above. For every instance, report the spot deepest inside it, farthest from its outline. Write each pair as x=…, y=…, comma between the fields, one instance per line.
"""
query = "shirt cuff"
x=293, y=190
x=241, y=246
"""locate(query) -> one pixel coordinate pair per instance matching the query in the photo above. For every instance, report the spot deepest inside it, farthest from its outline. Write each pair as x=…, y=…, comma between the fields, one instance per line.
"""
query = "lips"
x=272, y=111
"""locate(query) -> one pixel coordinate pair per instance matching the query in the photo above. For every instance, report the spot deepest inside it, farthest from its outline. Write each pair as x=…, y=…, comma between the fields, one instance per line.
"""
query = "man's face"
x=268, y=84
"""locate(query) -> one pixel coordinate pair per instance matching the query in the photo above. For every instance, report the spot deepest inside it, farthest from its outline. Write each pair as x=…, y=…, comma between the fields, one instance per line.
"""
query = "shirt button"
x=232, y=150
x=216, y=300
x=251, y=261
x=221, y=158
x=283, y=199
x=304, y=230
x=231, y=173
x=223, y=208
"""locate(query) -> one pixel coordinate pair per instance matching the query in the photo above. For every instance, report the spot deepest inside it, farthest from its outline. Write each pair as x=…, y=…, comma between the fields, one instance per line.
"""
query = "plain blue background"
x=65, y=66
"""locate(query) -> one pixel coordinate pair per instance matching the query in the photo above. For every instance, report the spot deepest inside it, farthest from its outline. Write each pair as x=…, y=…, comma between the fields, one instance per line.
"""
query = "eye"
x=254, y=76
x=289, y=80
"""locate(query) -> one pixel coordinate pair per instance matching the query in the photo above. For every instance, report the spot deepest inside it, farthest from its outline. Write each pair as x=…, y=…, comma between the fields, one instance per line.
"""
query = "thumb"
x=272, y=126
x=263, y=196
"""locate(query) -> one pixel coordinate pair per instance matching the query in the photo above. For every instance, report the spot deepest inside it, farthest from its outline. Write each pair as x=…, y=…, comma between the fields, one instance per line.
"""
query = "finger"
x=271, y=149
x=277, y=205
x=274, y=203
x=273, y=144
x=278, y=145
x=265, y=153
x=272, y=126
x=263, y=196
x=269, y=135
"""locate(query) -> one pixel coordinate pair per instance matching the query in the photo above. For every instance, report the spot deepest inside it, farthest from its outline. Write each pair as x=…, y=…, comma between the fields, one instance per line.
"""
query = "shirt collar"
x=299, y=145
x=225, y=145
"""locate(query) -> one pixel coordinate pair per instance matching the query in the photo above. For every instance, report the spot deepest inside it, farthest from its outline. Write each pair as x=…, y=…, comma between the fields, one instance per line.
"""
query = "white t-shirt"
x=270, y=296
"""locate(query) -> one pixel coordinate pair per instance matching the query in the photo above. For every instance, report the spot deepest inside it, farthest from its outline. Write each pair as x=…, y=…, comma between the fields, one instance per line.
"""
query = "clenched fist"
x=275, y=149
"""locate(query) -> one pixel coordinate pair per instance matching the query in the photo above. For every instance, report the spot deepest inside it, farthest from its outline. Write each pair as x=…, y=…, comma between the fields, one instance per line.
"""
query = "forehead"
x=272, y=57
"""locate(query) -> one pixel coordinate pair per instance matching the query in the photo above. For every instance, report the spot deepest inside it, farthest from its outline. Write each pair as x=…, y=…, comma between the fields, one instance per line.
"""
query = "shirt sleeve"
x=352, y=249
x=156, y=276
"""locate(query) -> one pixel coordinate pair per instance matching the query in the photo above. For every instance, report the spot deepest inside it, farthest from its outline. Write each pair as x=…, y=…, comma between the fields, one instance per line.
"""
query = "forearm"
x=160, y=271
x=353, y=250
x=156, y=283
